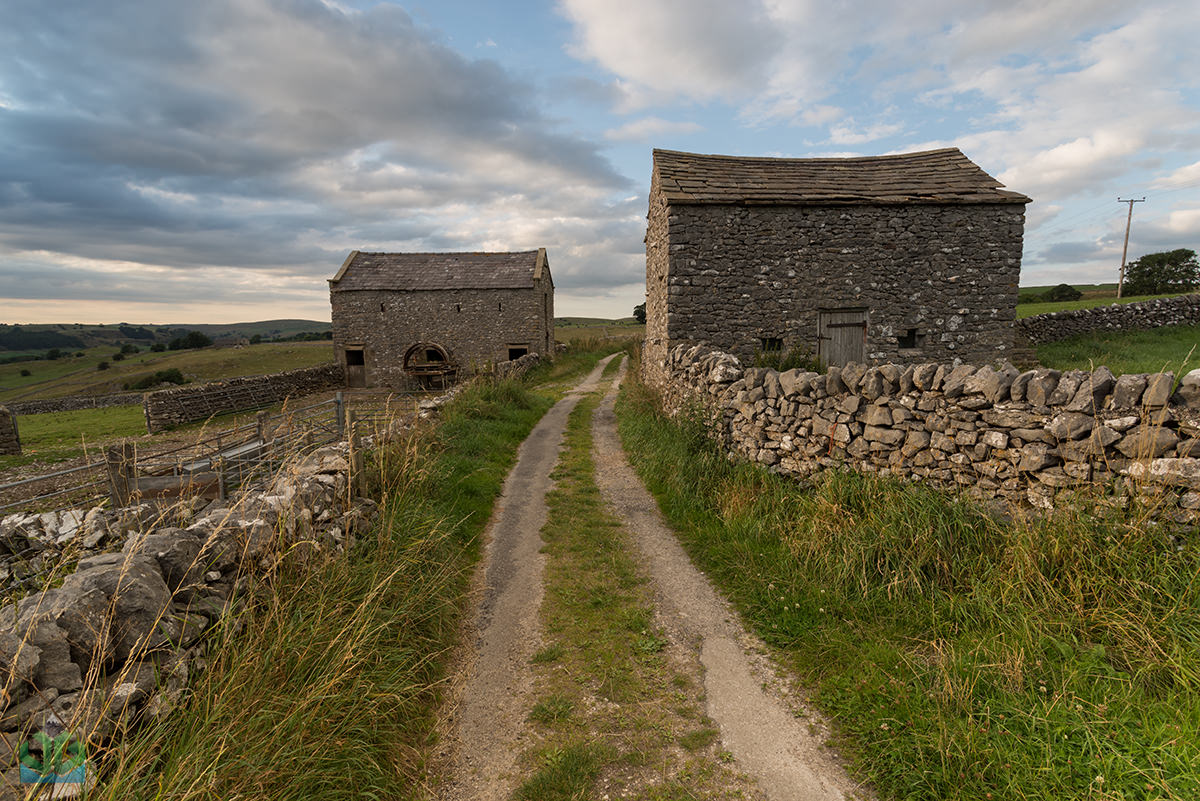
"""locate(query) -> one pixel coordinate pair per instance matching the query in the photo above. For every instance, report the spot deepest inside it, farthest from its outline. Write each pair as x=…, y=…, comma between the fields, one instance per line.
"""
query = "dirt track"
x=493, y=688
x=772, y=738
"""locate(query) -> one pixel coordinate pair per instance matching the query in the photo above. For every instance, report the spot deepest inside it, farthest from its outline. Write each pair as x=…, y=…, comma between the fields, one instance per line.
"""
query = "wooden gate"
x=842, y=336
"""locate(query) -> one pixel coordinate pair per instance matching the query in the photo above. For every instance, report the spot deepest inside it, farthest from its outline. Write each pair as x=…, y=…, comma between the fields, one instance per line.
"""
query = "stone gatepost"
x=10, y=443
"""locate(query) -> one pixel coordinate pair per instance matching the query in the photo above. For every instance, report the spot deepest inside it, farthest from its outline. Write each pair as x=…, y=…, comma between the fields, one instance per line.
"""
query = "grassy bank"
x=961, y=657
x=1171, y=347
x=326, y=689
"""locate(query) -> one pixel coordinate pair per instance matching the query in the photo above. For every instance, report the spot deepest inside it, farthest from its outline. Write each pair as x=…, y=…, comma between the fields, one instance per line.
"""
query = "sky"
x=172, y=162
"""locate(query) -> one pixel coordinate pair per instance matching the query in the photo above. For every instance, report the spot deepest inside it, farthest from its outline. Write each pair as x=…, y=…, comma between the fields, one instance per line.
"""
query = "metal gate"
x=842, y=336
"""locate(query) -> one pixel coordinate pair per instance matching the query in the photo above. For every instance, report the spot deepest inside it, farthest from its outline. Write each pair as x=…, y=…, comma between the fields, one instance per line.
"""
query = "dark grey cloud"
x=273, y=134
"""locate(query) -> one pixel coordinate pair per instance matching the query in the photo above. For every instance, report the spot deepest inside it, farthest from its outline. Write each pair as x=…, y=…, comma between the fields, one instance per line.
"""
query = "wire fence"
x=210, y=466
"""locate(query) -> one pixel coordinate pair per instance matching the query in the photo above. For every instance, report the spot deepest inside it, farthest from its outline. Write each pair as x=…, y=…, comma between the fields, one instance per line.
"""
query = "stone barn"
x=406, y=319
x=904, y=258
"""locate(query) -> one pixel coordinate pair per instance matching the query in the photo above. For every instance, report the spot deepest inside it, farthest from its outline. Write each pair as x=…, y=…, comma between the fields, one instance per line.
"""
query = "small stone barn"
x=903, y=258
x=403, y=319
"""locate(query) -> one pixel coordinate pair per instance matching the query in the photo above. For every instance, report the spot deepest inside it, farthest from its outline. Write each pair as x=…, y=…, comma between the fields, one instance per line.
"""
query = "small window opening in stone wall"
x=517, y=351
x=499, y=307
x=458, y=307
x=769, y=344
x=354, y=357
x=912, y=338
x=381, y=308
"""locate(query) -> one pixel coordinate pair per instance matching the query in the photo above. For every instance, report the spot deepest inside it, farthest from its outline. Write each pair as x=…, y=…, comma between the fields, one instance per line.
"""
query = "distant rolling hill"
x=35, y=339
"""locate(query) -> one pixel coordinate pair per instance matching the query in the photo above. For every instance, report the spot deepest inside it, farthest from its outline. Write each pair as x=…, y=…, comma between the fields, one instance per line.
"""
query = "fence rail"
x=212, y=466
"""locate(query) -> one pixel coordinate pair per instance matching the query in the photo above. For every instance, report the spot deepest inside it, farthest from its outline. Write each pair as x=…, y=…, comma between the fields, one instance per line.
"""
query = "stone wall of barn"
x=938, y=282
x=476, y=326
x=1023, y=437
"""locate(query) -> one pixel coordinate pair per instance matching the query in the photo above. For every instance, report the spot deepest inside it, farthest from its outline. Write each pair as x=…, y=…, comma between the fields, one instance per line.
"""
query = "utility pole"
x=1125, y=250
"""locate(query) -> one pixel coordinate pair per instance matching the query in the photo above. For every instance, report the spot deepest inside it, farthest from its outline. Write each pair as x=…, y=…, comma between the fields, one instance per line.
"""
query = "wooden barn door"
x=842, y=336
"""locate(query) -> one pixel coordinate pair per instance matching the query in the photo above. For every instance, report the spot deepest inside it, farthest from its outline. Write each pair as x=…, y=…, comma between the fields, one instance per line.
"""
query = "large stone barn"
x=405, y=319
x=904, y=258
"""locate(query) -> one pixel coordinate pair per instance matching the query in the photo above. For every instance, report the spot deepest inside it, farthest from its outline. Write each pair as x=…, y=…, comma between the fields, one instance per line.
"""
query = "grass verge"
x=616, y=714
x=327, y=686
x=961, y=657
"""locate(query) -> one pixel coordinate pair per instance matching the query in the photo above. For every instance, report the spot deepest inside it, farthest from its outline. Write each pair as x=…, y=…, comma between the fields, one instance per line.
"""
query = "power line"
x=1125, y=250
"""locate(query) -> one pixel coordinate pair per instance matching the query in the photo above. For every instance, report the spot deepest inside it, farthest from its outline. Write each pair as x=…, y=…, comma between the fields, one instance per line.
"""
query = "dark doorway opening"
x=516, y=352
x=356, y=367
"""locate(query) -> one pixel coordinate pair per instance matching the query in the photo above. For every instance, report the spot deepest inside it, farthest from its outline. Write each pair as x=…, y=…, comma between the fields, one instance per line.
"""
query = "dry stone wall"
x=122, y=633
x=1142, y=316
x=171, y=407
x=996, y=432
x=10, y=441
x=73, y=403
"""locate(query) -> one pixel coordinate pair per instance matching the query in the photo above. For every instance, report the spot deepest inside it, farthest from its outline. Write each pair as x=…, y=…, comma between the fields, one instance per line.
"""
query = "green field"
x=573, y=329
x=60, y=436
x=1172, y=348
x=78, y=375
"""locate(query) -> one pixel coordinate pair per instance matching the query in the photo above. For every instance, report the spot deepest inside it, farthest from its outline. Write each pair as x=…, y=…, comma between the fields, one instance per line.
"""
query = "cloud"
x=647, y=128
x=201, y=140
x=845, y=132
x=700, y=49
x=1182, y=178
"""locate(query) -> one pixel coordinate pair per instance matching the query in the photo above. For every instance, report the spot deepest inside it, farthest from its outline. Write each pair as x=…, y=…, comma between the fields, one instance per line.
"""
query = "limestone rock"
x=1070, y=425
x=1041, y=386
x=1148, y=442
x=1158, y=390
x=1127, y=392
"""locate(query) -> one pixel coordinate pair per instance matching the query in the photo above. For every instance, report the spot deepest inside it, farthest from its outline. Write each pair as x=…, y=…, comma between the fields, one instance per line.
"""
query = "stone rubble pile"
x=995, y=431
x=124, y=630
x=1142, y=316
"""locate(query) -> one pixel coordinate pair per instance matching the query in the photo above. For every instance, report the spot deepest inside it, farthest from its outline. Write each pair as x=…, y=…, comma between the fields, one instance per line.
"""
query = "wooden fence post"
x=339, y=410
x=119, y=461
x=358, y=480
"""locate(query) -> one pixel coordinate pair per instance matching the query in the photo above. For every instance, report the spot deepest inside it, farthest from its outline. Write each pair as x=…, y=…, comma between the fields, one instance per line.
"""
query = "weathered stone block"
x=1041, y=386
x=1070, y=425
x=1148, y=442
